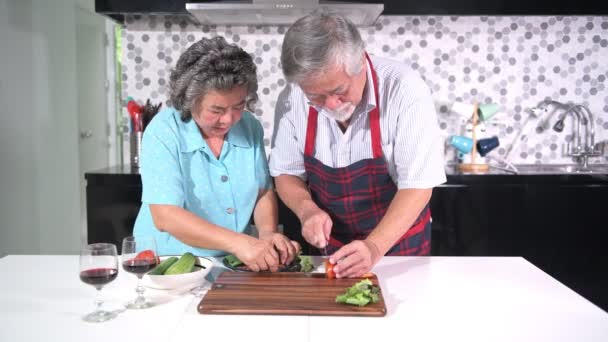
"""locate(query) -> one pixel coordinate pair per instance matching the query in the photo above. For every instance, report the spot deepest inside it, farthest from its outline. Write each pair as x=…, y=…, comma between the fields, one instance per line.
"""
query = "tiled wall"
x=513, y=61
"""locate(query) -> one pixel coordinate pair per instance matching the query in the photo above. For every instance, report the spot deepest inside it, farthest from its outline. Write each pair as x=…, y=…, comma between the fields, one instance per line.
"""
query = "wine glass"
x=98, y=267
x=138, y=257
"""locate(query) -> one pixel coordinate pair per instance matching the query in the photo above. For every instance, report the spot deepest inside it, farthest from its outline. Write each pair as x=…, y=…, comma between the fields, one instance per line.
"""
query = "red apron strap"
x=311, y=131
x=374, y=123
x=374, y=116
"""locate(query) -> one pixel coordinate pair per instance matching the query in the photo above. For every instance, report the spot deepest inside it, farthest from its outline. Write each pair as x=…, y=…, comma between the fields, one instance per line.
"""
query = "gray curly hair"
x=207, y=65
x=320, y=40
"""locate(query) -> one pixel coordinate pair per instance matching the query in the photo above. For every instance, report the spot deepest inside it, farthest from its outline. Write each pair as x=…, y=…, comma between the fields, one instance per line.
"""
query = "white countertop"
x=427, y=298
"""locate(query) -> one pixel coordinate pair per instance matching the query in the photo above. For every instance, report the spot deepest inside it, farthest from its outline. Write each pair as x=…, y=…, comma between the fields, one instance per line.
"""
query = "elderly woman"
x=203, y=165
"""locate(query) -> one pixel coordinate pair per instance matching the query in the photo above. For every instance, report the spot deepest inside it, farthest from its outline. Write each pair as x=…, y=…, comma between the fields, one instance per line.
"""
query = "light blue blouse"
x=178, y=168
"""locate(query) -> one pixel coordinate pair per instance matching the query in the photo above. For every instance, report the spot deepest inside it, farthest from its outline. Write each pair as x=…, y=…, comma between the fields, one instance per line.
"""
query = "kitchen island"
x=555, y=221
x=427, y=298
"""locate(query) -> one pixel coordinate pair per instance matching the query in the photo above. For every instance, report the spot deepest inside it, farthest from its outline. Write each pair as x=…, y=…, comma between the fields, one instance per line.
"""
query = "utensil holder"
x=476, y=164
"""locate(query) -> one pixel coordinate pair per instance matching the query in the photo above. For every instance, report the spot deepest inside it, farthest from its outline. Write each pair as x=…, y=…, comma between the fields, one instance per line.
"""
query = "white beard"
x=342, y=113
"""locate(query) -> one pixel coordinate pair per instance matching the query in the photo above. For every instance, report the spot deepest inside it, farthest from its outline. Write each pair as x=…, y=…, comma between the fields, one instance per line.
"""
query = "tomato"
x=147, y=255
x=329, y=270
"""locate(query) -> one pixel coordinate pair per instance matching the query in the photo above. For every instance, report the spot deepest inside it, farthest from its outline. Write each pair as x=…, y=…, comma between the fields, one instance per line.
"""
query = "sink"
x=552, y=169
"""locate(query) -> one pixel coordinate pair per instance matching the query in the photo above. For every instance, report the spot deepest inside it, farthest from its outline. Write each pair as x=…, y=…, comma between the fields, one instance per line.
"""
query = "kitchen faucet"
x=583, y=116
x=559, y=127
x=590, y=149
x=534, y=113
x=591, y=122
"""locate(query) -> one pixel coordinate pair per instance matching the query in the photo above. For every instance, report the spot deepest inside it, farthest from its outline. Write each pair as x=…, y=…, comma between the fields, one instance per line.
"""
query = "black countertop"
x=128, y=176
x=500, y=177
x=114, y=175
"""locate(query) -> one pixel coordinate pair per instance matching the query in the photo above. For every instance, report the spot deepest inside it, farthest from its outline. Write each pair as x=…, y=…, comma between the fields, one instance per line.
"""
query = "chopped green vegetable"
x=361, y=293
x=306, y=264
x=233, y=261
x=303, y=261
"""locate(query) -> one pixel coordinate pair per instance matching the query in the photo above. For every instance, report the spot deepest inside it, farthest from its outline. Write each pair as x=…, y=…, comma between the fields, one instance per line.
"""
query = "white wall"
x=39, y=168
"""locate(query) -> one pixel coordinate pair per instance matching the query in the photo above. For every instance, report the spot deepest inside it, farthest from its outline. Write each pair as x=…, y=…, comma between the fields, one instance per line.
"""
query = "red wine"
x=139, y=266
x=98, y=276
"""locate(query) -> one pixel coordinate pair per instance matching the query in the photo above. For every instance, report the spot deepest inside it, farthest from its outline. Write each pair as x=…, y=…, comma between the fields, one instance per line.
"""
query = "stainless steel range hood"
x=278, y=12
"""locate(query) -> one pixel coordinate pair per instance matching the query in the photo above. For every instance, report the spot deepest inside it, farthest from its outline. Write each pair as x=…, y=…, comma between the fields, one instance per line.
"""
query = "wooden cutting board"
x=287, y=293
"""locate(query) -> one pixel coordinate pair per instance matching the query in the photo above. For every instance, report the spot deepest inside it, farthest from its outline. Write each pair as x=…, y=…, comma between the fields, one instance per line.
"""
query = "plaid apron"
x=357, y=196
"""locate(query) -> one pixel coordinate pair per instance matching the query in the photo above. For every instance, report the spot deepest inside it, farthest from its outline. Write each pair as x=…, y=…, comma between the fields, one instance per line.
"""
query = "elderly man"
x=358, y=150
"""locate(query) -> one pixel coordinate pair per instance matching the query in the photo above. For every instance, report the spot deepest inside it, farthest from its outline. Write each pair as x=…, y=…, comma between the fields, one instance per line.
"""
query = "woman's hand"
x=355, y=259
x=258, y=254
x=287, y=249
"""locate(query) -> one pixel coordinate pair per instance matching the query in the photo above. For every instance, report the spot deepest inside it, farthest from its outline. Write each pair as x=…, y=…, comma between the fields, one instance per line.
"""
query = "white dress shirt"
x=411, y=140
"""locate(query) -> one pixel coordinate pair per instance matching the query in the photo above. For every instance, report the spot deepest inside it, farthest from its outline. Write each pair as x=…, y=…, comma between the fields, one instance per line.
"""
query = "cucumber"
x=183, y=265
x=163, y=266
x=233, y=261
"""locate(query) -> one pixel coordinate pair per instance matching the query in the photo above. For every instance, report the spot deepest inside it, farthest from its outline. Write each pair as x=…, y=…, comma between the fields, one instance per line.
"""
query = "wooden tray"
x=283, y=294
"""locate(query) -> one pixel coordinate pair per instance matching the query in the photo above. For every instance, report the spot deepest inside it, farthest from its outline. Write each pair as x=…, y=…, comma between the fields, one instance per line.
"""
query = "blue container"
x=484, y=146
x=462, y=144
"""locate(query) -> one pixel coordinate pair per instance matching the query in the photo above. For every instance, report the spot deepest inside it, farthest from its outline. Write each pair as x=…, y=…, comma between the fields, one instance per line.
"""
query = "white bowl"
x=179, y=281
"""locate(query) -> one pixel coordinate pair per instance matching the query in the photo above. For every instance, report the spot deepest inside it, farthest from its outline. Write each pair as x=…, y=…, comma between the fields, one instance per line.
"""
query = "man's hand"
x=259, y=255
x=355, y=259
x=287, y=249
x=316, y=227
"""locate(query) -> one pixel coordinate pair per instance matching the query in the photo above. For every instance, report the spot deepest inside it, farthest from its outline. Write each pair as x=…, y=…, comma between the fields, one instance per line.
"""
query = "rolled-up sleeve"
x=160, y=170
x=418, y=150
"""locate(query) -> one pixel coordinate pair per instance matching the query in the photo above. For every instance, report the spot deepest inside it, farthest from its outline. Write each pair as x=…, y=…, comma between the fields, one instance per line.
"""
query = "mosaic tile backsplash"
x=516, y=62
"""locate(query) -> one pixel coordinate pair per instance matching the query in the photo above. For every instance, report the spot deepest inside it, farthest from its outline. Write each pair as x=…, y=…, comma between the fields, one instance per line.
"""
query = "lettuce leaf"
x=306, y=264
x=361, y=294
